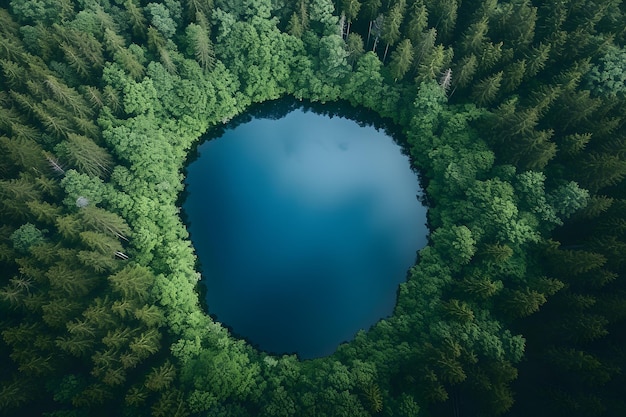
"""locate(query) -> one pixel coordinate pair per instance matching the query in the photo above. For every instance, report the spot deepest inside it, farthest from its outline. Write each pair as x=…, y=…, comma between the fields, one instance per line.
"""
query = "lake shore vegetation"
x=513, y=112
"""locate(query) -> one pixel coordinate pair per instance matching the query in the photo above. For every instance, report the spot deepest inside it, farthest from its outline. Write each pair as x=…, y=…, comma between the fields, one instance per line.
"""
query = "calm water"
x=304, y=227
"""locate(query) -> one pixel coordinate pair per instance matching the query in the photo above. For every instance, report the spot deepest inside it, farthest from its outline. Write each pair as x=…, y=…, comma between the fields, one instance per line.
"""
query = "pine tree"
x=536, y=60
x=14, y=194
x=599, y=170
x=160, y=378
x=351, y=10
x=201, y=45
x=146, y=344
x=458, y=310
x=119, y=337
x=486, y=90
x=16, y=392
x=418, y=21
x=58, y=311
x=401, y=59
x=85, y=155
x=391, y=25
x=196, y=7
x=473, y=39
x=521, y=303
x=151, y=316
x=25, y=153
x=497, y=253
x=136, y=17
x=14, y=74
x=133, y=282
x=76, y=345
x=464, y=70
x=513, y=76
x=104, y=221
x=481, y=288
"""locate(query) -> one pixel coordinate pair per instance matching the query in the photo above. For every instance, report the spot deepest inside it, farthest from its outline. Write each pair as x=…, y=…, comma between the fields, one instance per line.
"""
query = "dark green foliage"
x=512, y=110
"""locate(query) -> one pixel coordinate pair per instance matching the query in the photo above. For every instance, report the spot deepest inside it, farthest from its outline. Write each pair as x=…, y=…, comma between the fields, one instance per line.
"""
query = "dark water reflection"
x=304, y=226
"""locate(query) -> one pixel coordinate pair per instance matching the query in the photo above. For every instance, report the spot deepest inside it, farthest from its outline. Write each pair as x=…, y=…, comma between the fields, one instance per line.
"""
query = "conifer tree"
x=401, y=59
x=486, y=90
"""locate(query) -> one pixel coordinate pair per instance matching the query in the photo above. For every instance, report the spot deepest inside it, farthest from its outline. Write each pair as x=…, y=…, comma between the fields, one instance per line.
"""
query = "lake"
x=304, y=225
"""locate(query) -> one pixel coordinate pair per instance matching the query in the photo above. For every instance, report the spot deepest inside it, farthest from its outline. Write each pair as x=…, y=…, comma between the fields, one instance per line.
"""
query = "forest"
x=512, y=111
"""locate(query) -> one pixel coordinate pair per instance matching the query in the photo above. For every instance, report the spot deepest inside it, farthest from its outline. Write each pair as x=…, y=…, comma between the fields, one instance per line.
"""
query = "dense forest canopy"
x=512, y=110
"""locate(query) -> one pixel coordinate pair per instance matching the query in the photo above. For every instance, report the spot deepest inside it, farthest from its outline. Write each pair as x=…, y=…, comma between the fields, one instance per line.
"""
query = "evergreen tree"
x=401, y=59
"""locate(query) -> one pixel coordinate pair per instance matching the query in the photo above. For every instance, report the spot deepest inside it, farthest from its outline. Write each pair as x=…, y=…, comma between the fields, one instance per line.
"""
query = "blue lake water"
x=304, y=227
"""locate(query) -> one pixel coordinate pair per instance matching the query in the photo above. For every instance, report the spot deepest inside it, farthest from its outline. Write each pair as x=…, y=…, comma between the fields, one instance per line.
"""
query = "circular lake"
x=304, y=227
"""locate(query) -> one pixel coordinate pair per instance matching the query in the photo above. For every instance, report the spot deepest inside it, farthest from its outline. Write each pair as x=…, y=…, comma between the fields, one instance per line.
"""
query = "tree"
x=45, y=11
x=133, y=282
x=455, y=244
x=161, y=19
x=608, y=77
x=418, y=21
x=366, y=82
x=373, y=398
x=598, y=170
x=464, y=70
x=521, y=303
x=15, y=193
x=151, y=316
x=332, y=55
x=146, y=344
x=401, y=59
x=26, y=236
x=136, y=17
x=104, y=221
x=161, y=378
x=536, y=60
x=391, y=25
x=354, y=48
x=486, y=90
x=458, y=310
x=196, y=7
x=85, y=155
x=201, y=46
x=473, y=39
x=351, y=10
x=513, y=76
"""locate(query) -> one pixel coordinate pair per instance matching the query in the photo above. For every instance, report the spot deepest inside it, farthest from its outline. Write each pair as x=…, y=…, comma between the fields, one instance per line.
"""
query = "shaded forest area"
x=512, y=111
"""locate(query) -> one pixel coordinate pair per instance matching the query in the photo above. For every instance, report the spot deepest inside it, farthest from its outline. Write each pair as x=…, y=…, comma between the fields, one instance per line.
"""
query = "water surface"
x=304, y=227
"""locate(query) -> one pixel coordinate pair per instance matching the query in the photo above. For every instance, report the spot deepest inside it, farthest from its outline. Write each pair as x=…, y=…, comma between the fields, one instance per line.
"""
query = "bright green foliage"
x=455, y=243
x=45, y=11
x=87, y=85
x=226, y=375
x=161, y=19
x=26, y=236
x=608, y=77
x=332, y=57
x=365, y=85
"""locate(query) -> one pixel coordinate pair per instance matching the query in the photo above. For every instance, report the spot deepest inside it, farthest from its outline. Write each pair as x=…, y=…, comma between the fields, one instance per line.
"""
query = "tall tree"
x=401, y=59
x=391, y=25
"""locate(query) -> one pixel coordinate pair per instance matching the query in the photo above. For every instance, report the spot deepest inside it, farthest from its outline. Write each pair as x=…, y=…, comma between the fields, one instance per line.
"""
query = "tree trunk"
x=385, y=54
x=369, y=31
